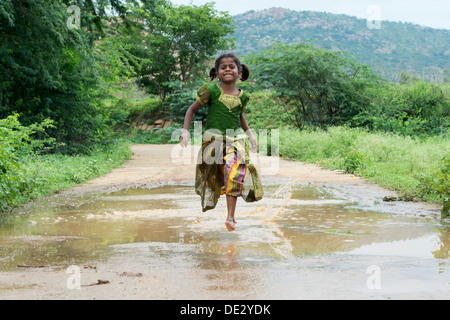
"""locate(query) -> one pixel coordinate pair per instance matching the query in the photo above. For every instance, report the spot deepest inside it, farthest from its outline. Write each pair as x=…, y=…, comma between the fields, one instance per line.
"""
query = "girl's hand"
x=253, y=143
x=185, y=136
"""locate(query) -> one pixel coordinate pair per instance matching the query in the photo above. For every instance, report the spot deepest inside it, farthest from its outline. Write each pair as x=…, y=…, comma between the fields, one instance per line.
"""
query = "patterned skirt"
x=224, y=168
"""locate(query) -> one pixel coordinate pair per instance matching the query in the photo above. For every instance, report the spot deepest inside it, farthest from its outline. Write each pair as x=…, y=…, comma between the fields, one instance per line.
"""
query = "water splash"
x=284, y=246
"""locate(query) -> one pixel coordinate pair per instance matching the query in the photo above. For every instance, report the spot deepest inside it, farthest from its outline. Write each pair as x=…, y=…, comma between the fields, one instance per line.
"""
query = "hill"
x=390, y=49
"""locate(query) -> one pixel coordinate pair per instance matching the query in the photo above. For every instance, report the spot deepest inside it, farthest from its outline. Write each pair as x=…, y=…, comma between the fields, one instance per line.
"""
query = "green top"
x=224, y=110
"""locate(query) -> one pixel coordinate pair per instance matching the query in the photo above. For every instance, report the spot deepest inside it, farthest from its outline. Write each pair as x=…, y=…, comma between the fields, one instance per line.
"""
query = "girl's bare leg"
x=231, y=206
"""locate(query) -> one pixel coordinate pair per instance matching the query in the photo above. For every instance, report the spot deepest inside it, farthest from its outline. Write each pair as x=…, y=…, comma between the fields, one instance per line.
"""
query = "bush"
x=265, y=111
x=17, y=142
x=413, y=167
x=416, y=109
x=181, y=99
x=436, y=186
x=27, y=171
x=322, y=87
x=154, y=136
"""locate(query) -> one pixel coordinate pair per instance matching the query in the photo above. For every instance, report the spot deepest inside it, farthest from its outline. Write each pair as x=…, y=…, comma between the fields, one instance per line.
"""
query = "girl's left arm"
x=249, y=133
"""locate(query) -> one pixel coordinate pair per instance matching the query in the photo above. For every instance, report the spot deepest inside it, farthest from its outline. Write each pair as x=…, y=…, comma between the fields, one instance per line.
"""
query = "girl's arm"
x=185, y=135
x=249, y=133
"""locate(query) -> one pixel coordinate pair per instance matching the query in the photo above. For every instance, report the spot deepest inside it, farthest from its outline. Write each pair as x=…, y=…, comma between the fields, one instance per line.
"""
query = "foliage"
x=266, y=111
x=391, y=49
x=415, y=168
x=416, y=108
x=323, y=87
x=46, y=71
x=174, y=42
x=95, y=12
x=55, y=172
x=154, y=136
x=32, y=176
x=181, y=99
x=16, y=142
x=51, y=70
x=437, y=184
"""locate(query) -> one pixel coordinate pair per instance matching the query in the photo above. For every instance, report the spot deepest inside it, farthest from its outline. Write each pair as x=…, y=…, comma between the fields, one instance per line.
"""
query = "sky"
x=430, y=13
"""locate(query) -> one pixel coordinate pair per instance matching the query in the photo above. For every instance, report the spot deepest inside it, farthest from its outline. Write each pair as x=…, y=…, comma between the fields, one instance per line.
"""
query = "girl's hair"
x=241, y=67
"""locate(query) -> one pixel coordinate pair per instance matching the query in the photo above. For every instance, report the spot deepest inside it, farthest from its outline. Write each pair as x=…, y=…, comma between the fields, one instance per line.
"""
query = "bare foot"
x=231, y=225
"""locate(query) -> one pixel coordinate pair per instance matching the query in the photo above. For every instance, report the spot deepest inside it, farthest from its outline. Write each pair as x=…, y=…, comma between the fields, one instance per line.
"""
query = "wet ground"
x=302, y=241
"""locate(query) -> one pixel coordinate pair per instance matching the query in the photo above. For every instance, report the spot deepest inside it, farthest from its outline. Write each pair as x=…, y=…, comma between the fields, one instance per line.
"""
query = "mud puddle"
x=298, y=242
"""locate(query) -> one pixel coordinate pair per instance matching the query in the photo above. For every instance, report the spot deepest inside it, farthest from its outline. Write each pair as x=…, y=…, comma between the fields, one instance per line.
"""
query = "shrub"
x=17, y=142
x=413, y=167
x=437, y=184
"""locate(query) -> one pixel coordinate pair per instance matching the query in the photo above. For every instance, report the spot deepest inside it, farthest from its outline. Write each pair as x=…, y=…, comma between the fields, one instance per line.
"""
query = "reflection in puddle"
x=298, y=243
x=297, y=221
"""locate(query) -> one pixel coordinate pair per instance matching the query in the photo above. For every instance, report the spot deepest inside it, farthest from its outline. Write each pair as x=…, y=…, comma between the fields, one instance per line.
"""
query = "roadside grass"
x=47, y=174
x=415, y=168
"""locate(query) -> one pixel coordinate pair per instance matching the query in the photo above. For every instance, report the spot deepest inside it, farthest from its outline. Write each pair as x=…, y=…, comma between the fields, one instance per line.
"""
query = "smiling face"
x=228, y=70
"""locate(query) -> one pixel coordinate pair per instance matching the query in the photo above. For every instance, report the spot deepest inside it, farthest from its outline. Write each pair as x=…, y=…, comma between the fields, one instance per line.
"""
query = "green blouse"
x=224, y=110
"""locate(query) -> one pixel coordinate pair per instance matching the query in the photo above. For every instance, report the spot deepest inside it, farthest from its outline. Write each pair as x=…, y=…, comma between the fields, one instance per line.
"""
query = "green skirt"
x=224, y=167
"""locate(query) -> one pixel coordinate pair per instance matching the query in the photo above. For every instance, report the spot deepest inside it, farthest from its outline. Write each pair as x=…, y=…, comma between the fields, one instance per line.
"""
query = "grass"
x=418, y=168
x=129, y=105
x=154, y=136
x=399, y=163
x=47, y=174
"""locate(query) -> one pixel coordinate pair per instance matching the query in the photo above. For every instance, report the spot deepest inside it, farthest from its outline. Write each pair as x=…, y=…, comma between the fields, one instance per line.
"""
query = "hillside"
x=393, y=48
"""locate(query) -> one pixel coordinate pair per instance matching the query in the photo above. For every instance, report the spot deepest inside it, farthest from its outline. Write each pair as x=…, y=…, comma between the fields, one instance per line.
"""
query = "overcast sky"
x=431, y=13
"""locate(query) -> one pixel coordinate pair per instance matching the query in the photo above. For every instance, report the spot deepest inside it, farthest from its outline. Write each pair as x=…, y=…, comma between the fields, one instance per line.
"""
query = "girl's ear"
x=245, y=73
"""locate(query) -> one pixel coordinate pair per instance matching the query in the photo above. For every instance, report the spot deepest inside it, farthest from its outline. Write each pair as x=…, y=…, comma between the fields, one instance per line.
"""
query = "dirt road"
x=167, y=249
x=153, y=164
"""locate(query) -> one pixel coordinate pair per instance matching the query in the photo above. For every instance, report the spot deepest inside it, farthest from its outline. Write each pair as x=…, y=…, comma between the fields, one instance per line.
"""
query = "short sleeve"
x=244, y=100
x=203, y=94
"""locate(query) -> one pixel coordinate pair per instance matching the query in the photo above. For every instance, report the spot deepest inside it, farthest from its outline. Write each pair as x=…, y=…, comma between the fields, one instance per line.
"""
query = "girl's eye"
x=231, y=66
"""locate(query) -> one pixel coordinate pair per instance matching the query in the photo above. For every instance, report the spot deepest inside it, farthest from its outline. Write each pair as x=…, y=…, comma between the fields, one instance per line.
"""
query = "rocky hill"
x=391, y=48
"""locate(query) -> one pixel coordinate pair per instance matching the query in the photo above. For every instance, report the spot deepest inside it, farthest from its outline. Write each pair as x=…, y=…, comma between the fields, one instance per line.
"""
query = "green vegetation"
x=62, y=83
x=69, y=96
x=415, y=164
x=417, y=169
x=323, y=88
x=54, y=172
x=389, y=50
x=179, y=41
x=28, y=172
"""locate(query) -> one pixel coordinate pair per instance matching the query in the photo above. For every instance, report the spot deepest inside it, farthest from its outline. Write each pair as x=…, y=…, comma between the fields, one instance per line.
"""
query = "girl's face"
x=228, y=70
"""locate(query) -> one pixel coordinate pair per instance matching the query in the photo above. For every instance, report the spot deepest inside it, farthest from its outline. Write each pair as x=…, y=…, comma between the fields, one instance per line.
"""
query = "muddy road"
x=139, y=233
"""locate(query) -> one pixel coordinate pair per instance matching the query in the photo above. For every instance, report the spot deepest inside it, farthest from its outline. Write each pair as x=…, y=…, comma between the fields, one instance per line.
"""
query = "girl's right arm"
x=185, y=135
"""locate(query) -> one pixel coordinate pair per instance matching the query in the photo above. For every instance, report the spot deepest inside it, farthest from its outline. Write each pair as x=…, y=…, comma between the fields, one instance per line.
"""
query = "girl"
x=225, y=153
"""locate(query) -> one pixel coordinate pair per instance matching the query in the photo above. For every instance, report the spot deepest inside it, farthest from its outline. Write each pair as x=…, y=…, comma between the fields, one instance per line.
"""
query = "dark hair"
x=241, y=67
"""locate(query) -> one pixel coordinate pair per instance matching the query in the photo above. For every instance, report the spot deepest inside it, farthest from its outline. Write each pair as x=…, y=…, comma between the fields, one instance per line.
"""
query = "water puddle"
x=294, y=223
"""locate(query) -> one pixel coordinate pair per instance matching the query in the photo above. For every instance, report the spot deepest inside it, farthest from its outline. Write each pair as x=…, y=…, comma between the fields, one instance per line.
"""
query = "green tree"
x=323, y=87
x=95, y=12
x=49, y=70
x=413, y=108
x=175, y=42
